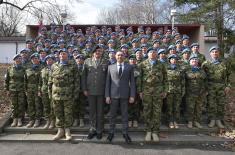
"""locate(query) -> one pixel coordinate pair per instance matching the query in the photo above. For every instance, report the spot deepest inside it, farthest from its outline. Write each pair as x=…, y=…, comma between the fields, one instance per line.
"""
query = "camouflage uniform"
x=175, y=91
x=14, y=83
x=35, y=110
x=62, y=84
x=195, y=84
x=152, y=82
x=46, y=99
x=218, y=78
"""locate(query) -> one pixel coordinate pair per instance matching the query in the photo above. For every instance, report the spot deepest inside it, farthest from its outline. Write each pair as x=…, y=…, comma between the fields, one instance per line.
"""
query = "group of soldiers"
x=61, y=69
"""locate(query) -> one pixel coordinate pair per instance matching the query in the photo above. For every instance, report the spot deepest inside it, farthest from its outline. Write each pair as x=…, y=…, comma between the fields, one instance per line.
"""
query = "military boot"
x=75, y=122
x=30, y=124
x=155, y=137
x=211, y=124
x=197, y=124
x=60, y=134
x=129, y=124
x=46, y=126
x=68, y=134
x=52, y=124
x=19, y=124
x=190, y=124
x=148, y=136
x=219, y=124
x=81, y=123
x=37, y=123
x=135, y=124
x=14, y=123
x=176, y=125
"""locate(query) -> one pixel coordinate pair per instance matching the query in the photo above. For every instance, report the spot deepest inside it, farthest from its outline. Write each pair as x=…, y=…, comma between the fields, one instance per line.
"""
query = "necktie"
x=120, y=70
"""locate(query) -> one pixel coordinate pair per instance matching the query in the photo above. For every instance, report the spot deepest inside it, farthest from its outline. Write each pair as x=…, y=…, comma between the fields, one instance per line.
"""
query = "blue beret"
x=16, y=56
x=75, y=49
x=80, y=56
x=137, y=49
x=124, y=46
x=38, y=44
x=156, y=41
x=61, y=41
x=132, y=56
x=47, y=41
x=193, y=56
x=171, y=47
x=186, y=50
x=50, y=56
x=113, y=33
x=70, y=45
x=185, y=37
x=213, y=48
x=162, y=50
x=156, y=32
x=143, y=45
x=101, y=45
x=110, y=41
x=178, y=41
x=62, y=50
x=134, y=40
x=34, y=55
x=172, y=56
x=151, y=49
x=24, y=50
x=97, y=30
x=54, y=46
x=89, y=41
x=144, y=36
x=29, y=41
x=101, y=37
x=121, y=37
x=194, y=44
x=111, y=50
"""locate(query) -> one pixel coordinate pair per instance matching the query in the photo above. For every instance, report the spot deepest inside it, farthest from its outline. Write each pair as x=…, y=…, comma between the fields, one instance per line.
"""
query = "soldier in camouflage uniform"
x=195, y=84
x=80, y=98
x=31, y=87
x=175, y=90
x=218, y=73
x=151, y=86
x=14, y=85
x=134, y=109
x=62, y=84
x=44, y=93
x=195, y=51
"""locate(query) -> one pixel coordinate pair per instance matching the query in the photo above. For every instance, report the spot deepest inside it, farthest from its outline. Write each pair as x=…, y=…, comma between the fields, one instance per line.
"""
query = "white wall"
x=8, y=50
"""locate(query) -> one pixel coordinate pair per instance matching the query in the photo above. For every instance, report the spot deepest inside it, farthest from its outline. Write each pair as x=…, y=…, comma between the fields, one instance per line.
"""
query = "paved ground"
x=106, y=149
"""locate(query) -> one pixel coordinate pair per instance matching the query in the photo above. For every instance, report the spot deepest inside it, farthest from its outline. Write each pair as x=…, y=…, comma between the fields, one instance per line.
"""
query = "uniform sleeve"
x=182, y=82
x=165, y=84
x=228, y=73
x=50, y=82
x=40, y=81
x=108, y=83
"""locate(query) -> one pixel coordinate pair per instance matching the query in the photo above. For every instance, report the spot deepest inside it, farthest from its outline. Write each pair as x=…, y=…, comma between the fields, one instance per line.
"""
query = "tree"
x=216, y=15
x=137, y=12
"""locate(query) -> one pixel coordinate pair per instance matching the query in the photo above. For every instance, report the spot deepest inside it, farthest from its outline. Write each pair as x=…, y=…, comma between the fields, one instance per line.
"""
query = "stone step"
x=141, y=129
x=137, y=138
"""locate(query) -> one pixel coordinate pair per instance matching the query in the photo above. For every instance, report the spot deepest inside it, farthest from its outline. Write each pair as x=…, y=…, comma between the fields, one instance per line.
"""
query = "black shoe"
x=110, y=137
x=99, y=136
x=127, y=138
x=91, y=135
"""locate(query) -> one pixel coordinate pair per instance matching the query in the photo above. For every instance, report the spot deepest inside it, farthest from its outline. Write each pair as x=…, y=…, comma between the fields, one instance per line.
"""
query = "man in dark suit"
x=93, y=85
x=120, y=89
